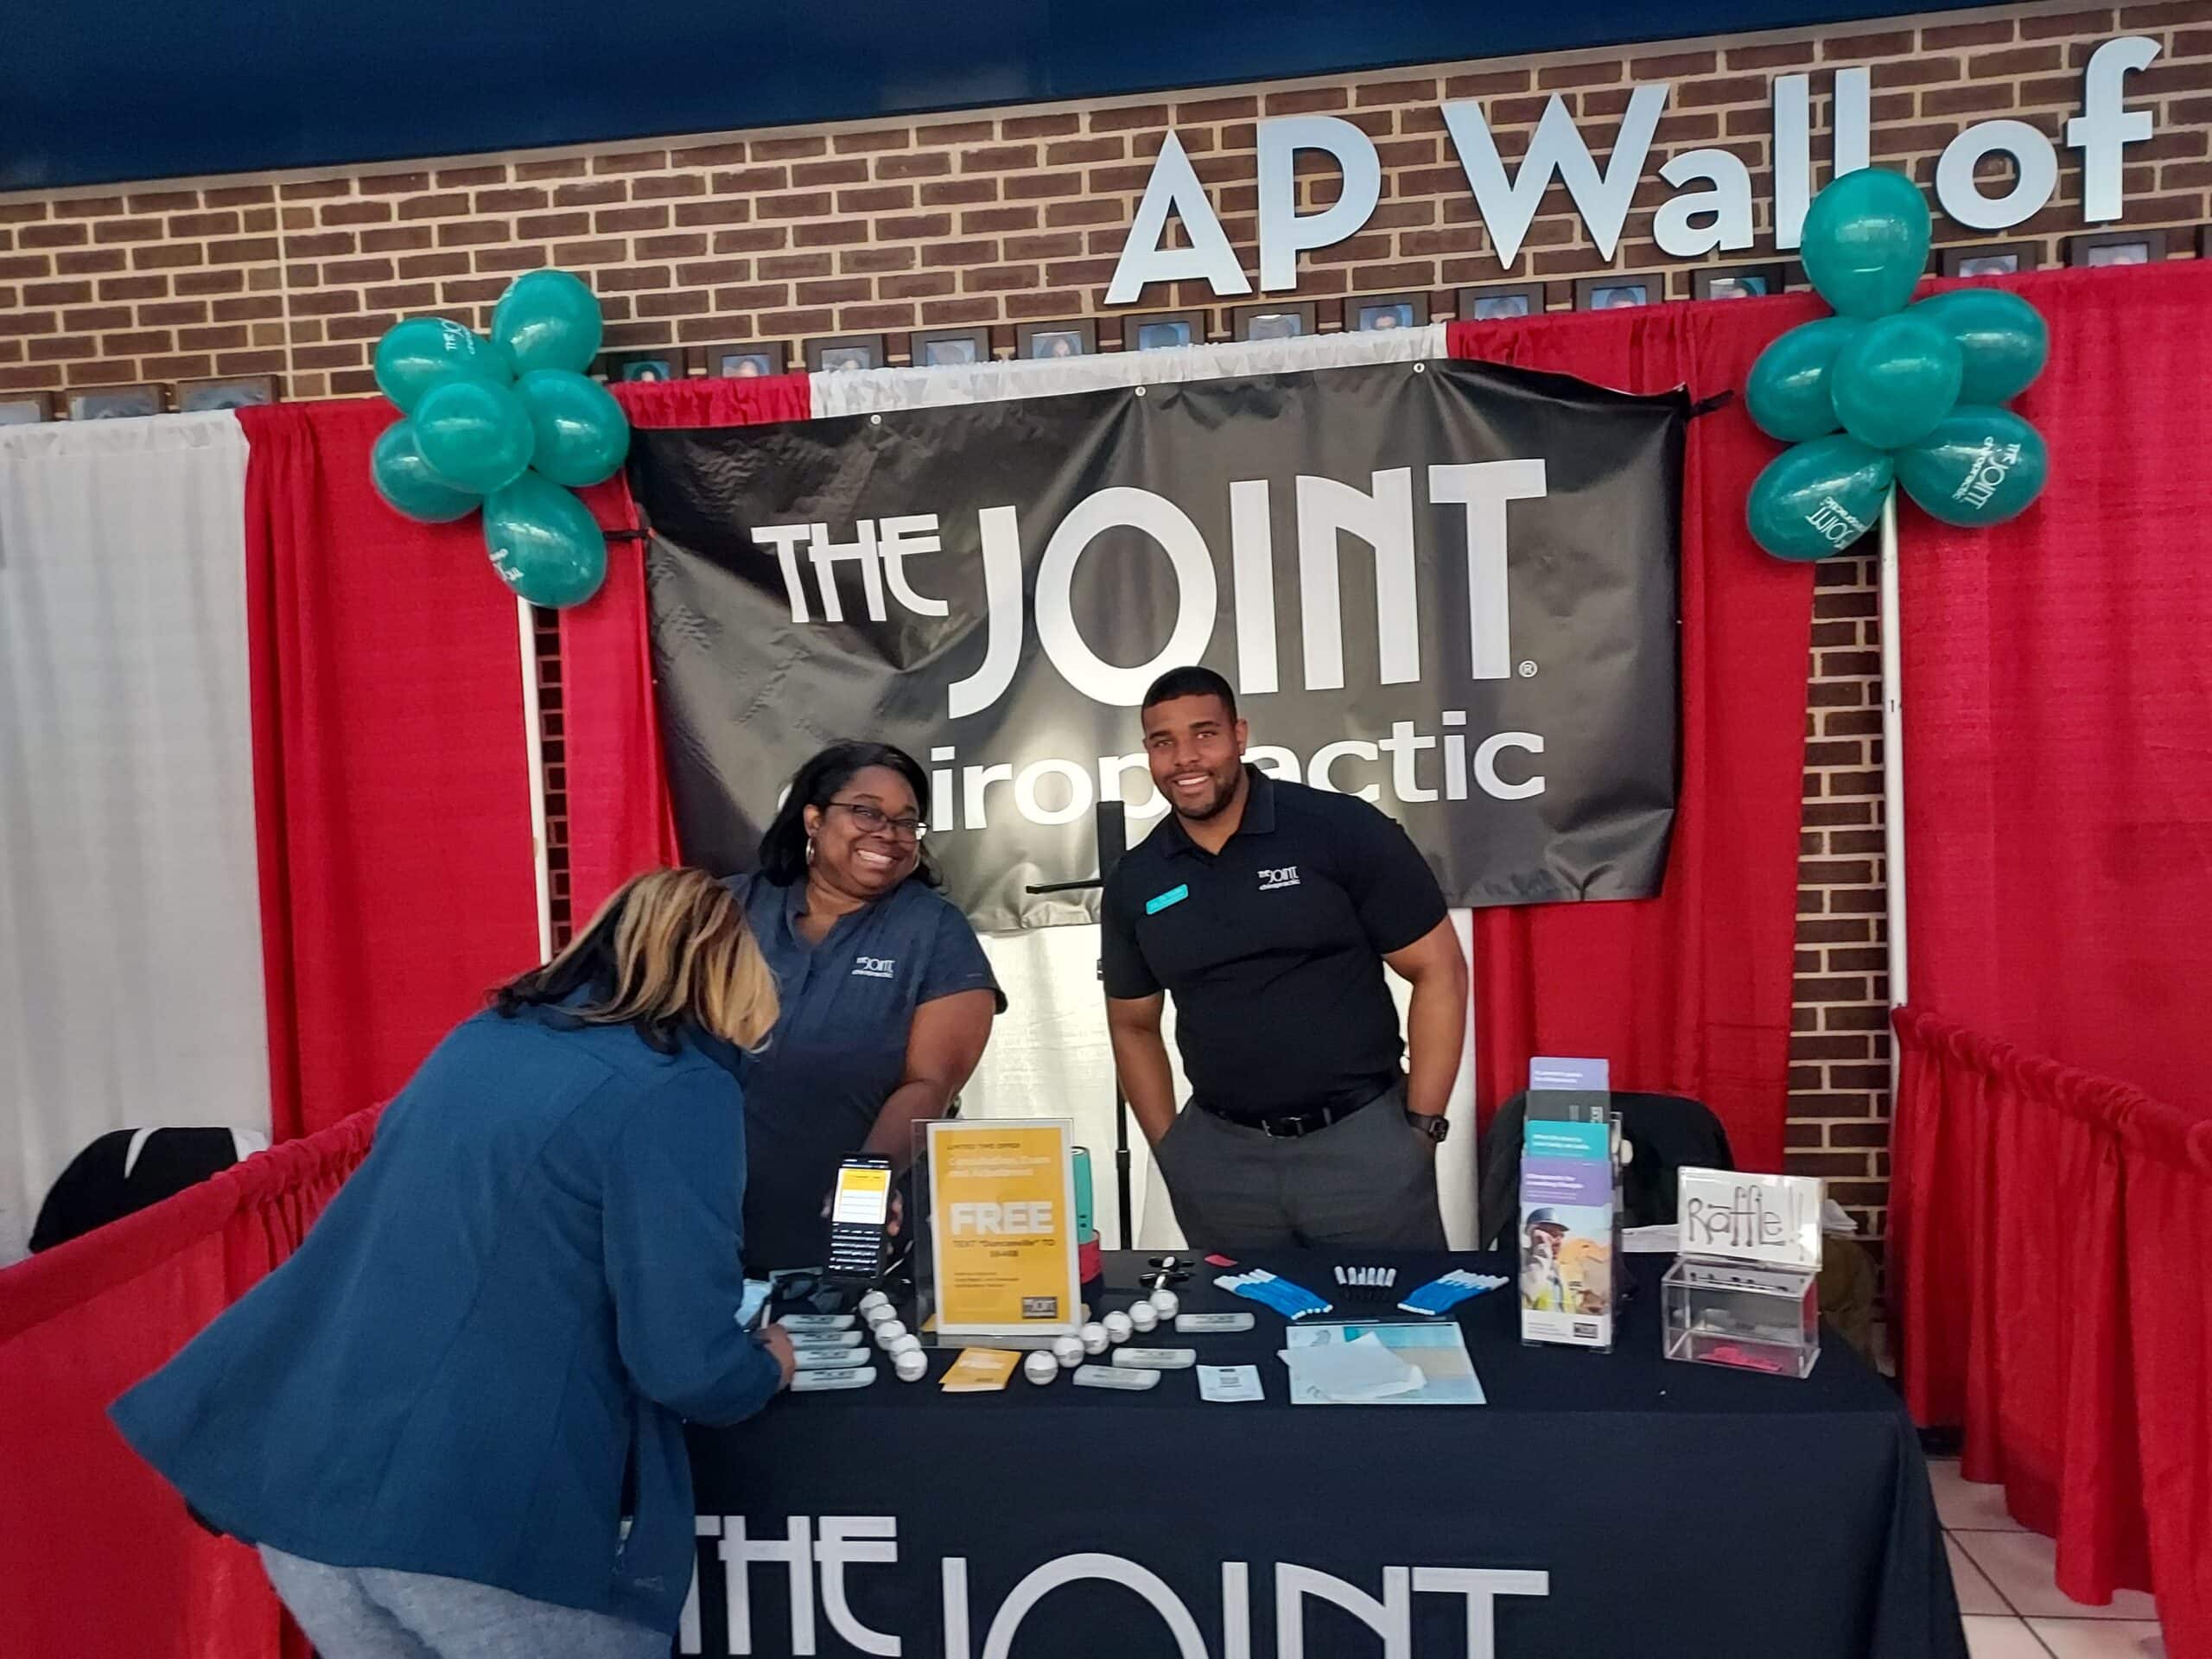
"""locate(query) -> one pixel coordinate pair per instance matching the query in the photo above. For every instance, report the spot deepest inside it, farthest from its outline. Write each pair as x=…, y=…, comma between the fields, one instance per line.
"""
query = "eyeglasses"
x=873, y=820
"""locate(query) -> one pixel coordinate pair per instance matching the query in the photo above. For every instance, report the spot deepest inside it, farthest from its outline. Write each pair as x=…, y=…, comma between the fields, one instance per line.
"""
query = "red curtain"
x=391, y=786
x=2048, y=1228
x=619, y=816
x=2058, y=710
x=101, y=1557
x=1688, y=992
x=2047, y=1245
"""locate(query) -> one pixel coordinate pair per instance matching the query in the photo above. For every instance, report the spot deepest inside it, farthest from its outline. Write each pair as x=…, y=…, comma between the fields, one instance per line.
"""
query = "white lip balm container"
x=912, y=1364
x=1040, y=1367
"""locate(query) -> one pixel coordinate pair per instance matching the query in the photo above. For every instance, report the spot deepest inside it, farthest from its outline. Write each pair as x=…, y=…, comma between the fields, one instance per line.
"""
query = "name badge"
x=1152, y=907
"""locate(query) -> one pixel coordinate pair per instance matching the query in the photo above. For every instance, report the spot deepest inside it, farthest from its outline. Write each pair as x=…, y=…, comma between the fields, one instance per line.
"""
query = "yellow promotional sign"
x=1002, y=1241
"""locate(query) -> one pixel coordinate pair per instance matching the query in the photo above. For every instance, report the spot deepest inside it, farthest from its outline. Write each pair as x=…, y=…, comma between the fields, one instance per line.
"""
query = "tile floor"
x=2012, y=1609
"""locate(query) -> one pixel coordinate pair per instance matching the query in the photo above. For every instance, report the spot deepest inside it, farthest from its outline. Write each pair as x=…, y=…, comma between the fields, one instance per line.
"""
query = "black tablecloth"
x=1674, y=1509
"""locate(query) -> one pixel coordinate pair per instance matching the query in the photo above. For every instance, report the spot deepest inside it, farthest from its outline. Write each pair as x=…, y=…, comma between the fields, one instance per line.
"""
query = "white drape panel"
x=130, y=982
x=867, y=391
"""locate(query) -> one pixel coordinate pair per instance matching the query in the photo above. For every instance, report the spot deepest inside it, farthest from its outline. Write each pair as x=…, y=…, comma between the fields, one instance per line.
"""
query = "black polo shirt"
x=1272, y=948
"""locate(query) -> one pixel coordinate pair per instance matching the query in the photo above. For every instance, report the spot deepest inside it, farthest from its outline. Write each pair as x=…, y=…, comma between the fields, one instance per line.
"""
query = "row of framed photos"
x=1166, y=331
x=131, y=402
x=1156, y=331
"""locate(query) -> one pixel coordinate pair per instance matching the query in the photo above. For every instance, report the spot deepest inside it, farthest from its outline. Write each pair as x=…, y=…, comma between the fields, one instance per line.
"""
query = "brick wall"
x=999, y=218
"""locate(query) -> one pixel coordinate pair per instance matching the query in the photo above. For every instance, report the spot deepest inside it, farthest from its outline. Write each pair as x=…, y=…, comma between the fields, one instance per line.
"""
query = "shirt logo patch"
x=1272, y=881
x=873, y=967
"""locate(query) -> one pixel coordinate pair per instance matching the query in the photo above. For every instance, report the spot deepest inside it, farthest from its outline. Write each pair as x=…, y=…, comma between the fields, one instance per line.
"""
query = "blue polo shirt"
x=839, y=1048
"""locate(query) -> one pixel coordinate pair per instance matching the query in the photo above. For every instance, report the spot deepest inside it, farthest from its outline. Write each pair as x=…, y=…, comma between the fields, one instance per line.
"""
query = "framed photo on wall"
x=1501, y=301
x=1990, y=259
x=1738, y=282
x=1163, y=330
x=26, y=408
x=2116, y=248
x=660, y=363
x=1621, y=292
x=1285, y=320
x=845, y=353
x=754, y=361
x=1050, y=339
x=240, y=392
x=943, y=348
x=1374, y=314
x=115, y=403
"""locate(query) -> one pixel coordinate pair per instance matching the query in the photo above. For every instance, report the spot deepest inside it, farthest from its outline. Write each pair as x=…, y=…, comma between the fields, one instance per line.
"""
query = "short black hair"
x=1191, y=682
x=783, y=844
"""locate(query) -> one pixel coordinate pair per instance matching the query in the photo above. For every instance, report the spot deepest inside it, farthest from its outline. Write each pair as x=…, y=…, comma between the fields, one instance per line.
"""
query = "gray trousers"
x=1366, y=1182
x=351, y=1612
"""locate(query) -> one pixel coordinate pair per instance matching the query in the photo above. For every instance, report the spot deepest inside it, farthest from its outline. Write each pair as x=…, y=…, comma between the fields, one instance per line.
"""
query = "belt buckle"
x=1293, y=1128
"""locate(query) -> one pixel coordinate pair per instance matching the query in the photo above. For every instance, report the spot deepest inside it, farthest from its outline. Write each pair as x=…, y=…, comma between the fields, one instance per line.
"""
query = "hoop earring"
x=810, y=849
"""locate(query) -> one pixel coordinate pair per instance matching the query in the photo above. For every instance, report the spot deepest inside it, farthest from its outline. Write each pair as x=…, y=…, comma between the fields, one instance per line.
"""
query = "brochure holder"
x=1570, y=1206
x=1744, y=1291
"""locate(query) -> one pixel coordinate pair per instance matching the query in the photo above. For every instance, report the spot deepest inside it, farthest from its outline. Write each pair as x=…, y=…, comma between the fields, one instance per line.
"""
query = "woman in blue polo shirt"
x=887, y=997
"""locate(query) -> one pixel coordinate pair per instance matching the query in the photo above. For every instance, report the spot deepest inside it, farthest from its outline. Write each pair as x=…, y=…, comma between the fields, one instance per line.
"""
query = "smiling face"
x=1196, y=750
x=863, y=839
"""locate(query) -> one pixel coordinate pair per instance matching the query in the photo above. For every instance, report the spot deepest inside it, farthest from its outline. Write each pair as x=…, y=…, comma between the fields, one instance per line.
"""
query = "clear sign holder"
x=993, y=1212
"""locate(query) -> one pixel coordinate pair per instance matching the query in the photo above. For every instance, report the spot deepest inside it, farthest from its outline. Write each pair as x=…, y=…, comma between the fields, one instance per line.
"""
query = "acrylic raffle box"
x=1755, y=1318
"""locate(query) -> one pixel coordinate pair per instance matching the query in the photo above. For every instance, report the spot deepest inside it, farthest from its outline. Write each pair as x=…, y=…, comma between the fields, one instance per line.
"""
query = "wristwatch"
x=1435, y=1125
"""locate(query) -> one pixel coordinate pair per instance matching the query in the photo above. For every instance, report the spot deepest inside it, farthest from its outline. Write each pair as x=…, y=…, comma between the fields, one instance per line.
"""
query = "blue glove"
x=1441, y=1294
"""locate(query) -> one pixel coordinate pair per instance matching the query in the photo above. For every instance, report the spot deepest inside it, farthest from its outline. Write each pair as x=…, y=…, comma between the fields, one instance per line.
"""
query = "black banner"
x=1450, y=587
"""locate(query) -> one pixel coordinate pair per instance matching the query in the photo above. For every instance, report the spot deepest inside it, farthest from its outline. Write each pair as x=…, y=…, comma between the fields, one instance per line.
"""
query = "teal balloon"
x=1817, y=498
x=547, y=320
x=582, y=432
x=473, y=435
x=1788, y=392
x=543, y=543
x=1865, y=242
x=1980, y=465
x=2002, y=340
x=425, y=352
x=1895, y=381
x=404, y=479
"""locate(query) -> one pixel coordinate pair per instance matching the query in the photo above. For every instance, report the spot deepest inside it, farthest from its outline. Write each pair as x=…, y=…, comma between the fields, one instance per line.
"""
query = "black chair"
x=1667, y=1133
x=127, y=1170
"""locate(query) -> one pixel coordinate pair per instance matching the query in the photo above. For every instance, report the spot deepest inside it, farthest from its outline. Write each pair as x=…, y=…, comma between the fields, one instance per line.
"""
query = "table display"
x=1598, y=1505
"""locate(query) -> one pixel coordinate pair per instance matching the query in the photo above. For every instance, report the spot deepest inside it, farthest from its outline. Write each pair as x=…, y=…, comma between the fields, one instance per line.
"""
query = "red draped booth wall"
x=2052, y=1186
x=391, y=783
x=101, y=1558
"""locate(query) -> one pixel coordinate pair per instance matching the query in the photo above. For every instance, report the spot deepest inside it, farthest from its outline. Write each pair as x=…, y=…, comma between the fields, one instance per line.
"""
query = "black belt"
x=1288, y=1126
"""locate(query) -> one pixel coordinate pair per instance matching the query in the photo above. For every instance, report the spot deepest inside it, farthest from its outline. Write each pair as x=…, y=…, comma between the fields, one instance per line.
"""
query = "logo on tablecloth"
x=817, y=1560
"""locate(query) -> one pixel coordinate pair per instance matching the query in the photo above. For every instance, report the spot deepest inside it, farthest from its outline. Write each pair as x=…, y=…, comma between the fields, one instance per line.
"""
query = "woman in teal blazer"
x=453, y=1421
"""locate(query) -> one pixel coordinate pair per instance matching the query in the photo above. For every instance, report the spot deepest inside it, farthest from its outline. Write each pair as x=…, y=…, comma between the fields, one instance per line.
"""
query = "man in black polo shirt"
x=1268, y=909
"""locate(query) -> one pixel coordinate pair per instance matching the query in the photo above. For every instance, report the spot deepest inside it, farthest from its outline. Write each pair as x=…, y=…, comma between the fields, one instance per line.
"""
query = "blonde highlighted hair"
x=671, y=948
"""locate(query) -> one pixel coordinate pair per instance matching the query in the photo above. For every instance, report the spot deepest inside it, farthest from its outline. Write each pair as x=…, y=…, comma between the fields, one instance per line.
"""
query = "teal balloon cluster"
x=1886, y=393
x=511, y=424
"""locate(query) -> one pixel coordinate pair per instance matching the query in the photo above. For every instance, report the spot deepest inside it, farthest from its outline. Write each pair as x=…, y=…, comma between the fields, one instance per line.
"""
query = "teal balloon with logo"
x=1787, y=393
x=425, y=352
x=1865, y=242
x=1894, y=380
x=407, y=486
x=1980, y=465
x=582, y=432
x=547, y=320
x=474, y=435
x=544, y=542
x=1816, y=498
x=2002, y=340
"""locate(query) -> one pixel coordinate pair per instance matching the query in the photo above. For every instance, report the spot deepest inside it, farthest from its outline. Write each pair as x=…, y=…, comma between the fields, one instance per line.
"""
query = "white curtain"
x=865, y=391
x=131, y=983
